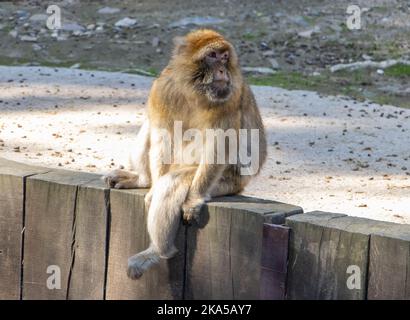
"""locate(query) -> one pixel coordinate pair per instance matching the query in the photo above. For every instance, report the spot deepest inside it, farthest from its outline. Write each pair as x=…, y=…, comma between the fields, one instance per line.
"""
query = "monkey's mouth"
x=219, y=91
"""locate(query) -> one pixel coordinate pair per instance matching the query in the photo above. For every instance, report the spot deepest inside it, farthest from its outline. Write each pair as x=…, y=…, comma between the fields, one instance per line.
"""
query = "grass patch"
x=249, y=36
x=399, y=70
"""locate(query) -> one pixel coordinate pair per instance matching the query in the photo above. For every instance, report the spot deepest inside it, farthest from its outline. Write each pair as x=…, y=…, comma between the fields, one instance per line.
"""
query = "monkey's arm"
x=204, y=179
x=160, y=156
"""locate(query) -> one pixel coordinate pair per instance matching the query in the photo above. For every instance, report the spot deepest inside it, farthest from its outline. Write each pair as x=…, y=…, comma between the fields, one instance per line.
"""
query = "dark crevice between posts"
x=366, y=276
x=285, y=293
x=230, y=258
x=107, y=238
x=185, y=271
x=73, y=243
x=23, y=229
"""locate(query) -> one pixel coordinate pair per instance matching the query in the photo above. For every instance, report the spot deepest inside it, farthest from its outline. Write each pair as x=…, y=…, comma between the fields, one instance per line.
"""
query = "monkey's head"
x=207, y=62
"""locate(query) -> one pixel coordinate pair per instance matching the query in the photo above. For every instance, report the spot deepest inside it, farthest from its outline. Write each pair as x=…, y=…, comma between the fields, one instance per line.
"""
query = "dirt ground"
x=300, y=40
x=324, y=153
x=341, y=144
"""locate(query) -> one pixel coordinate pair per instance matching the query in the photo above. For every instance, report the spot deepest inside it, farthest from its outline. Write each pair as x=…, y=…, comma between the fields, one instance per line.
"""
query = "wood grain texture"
x=129, y=236
x=51, y=206
x=389, y=271
x=322, y=246
x=12, y=180
x=224, y=252
x=90, y=227
x=274, y=262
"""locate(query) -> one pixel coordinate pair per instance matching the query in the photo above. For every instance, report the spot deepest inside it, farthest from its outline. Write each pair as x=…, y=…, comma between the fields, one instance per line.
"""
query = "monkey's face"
x=213, y=78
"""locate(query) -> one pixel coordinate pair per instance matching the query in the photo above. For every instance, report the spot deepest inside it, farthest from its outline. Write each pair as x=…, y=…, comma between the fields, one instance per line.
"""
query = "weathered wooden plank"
x=274, y=212
x=274, y=262
x=90, y=251
x=224, y=253
x=51, y=200
x=389, y=270
x=12, y=179
x=323, y=246
x=129, y=236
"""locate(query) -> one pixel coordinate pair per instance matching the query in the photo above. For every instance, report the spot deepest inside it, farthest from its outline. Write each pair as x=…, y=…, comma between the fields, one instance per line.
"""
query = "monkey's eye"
x=212, y=54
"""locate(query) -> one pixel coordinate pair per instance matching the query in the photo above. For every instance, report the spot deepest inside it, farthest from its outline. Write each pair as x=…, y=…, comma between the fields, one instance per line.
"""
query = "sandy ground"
x=325, y=153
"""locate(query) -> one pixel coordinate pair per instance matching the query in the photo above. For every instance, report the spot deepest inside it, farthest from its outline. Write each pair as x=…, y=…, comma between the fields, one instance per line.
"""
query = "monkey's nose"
x=221, y=75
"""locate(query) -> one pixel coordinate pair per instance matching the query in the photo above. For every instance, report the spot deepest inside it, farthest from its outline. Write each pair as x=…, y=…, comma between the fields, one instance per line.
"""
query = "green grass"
x=356, y=84
x=348, y=83
x=399, y=70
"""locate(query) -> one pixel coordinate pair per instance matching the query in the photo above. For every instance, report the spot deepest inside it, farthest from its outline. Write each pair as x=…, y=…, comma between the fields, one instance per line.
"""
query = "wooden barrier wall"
x=324, y=245
x=70, y=220
x=243, y=248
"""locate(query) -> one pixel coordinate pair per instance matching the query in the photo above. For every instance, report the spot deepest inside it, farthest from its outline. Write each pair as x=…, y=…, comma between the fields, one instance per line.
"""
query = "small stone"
x=197, y=21
x=260, y=70
x=108, y=10
x=308, y=33
x=39, y=17
x=268, y=53
x=75, y=66
x=28, y=39
x=274, y=63
x=366, y=57
x=13, y=33
x=155, y=42
x=72, y=27
x=125, y=23
x=36, y=47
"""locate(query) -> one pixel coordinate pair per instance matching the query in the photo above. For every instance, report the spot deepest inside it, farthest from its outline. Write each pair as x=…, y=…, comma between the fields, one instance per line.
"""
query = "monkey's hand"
x=122, y=179
x=191, y=209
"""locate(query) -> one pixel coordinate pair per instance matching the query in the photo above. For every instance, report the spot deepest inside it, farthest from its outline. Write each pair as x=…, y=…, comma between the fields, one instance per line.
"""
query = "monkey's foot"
x=141, y=262
x=122, y=179
x=191, y=211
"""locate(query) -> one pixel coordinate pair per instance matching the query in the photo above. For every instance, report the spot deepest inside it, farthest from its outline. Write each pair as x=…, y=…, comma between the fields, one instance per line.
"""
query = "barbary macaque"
x=202, y=88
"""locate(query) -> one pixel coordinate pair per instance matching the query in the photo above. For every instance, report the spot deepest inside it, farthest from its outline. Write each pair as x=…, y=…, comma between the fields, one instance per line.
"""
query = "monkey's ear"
x=179, y=44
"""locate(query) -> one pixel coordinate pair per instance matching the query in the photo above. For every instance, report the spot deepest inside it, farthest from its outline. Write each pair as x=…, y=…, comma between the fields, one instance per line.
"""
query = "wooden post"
x=129, y=236
x=63, y=253
x=224, y=252
x=326, y=249
x=12, y=189
x=274, y=263
x=389, y=271
x=88, y=275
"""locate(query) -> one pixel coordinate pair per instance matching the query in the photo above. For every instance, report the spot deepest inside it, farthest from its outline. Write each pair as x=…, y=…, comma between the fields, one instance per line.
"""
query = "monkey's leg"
x=139, y=176
x=231, y=182
x=164, y=216
x=160, y=153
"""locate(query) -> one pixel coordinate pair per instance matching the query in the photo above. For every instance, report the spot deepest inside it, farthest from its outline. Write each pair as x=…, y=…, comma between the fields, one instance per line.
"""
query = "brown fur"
x=173, y=98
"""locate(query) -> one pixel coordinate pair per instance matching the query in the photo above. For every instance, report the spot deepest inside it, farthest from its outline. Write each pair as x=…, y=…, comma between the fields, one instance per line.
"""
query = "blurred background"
x=290, y=44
